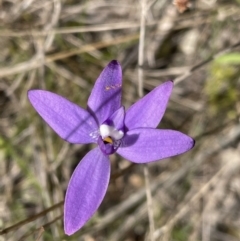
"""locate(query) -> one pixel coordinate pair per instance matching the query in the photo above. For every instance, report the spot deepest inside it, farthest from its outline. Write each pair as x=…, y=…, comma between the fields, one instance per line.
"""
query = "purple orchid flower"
x=130, y=133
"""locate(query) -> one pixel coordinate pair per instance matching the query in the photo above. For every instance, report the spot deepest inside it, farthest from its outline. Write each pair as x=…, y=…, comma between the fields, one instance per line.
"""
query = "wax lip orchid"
x=129, y=133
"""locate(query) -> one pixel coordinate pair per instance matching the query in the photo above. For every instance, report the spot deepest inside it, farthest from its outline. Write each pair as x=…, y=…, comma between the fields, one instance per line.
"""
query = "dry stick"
x=141, y=49
x=140, y=93
x=52, y=23
x=96, y=28
x=91, y=47
x=149, y=202
x=23, y=238
x=35, y=63
x=30, y=219
x=40, y=233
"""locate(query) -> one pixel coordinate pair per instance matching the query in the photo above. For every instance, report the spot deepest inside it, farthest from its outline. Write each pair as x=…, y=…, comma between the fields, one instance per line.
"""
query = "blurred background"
x=62, y=46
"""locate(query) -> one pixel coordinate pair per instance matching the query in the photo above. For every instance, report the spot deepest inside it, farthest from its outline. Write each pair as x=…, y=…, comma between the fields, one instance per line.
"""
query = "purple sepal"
x=146, y=144
x=105, y=97
x=148, y=111
x=86, y=190
x=68, y=120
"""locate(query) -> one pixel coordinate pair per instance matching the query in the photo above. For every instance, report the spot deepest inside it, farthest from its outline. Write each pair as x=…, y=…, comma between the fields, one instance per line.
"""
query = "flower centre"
x=109, y=132
x=110, y=138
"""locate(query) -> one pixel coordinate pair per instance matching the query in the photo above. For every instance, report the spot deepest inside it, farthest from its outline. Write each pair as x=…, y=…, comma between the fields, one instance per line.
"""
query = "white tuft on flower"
x=106, y=130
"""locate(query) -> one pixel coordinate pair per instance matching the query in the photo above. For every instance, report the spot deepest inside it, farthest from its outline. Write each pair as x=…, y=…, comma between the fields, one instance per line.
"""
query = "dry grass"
x=62, y=46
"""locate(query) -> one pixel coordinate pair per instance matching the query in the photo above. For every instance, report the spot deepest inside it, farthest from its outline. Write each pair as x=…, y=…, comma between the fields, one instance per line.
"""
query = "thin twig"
x=140, y=93
x=30, y=219
x=149, y=202
x=68, y=30
x=35, y=63
x=141, y=49
x=46, y=225
x=40, y=233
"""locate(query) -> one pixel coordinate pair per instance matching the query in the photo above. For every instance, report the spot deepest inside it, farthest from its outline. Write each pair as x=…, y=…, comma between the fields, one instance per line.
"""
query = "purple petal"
x=105, y=97
x=148, y=111
x=67, y=119
x=86, y=190
x=146, y=144
x=117, y=119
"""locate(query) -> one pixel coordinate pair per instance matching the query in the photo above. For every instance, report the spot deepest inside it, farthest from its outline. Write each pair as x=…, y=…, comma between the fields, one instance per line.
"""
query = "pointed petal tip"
x=68, y=230
x=33, y=93
x=189, y=143
x=71, y=228
x=167, y=87
x=29, y=93
x=169, y=82
x=193, y=142
x=113, y=63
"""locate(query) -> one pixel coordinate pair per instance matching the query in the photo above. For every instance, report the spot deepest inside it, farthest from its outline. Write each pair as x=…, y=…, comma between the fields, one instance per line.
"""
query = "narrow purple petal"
x=117, y=119
x=105, y=97
x=148, y=111
x=146, y=144
x=68, y=120
x=86, y=190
